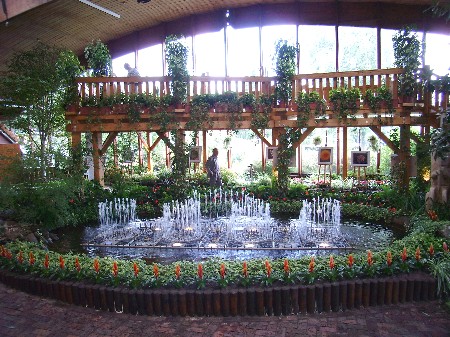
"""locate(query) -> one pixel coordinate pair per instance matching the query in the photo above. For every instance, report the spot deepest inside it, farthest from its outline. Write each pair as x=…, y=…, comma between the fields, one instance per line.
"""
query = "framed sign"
x=325, y=156
x=271, y=153
x=195, y=154
x=360, y=158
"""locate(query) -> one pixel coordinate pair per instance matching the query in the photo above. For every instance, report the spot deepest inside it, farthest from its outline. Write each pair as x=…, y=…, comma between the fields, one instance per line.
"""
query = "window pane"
x=118, y=63
x=150, y=61
x=387, y=51
x=269, y=37
x=436, y=54
x=243, y=51
x=357, y=48
x=317, y=49
x=209, y=50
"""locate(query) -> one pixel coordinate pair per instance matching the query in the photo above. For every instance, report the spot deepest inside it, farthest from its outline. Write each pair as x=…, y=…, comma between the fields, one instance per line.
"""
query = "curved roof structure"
x=129, y=24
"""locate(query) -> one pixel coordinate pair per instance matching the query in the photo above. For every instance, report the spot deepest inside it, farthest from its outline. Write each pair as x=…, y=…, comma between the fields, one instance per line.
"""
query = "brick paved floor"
x=24, y=315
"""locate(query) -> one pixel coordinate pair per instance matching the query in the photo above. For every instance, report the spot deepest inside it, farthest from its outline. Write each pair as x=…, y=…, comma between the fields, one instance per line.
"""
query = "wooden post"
x=149, y=153
x=204, y=154
x=338, y=151
x=99, y=174
x=344, y=153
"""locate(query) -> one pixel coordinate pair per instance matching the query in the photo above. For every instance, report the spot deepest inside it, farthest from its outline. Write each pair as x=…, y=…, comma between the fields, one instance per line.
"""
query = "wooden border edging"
x=276, y=301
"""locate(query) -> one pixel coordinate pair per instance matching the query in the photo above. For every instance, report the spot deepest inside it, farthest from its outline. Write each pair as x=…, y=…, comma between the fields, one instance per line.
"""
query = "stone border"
x=271, y=301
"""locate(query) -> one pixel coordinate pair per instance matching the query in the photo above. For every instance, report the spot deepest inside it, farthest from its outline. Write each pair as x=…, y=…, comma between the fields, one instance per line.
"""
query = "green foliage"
x=407, y=53
x=345, y=101
x=285, y=62
x=440, y=139
x=379, y=98
x=176, y=54
x=98, y=58
x=36, y=89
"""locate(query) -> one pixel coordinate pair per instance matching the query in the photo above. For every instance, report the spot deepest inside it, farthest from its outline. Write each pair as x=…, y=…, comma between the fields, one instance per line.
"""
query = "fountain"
x=219, y=223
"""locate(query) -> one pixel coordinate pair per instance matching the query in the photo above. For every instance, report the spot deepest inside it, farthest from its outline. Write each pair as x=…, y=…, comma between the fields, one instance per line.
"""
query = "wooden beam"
x=303, y=136
x=384, y=138
x=108, y=141
x=260, y=136
x=144, y=143
x=96, y=158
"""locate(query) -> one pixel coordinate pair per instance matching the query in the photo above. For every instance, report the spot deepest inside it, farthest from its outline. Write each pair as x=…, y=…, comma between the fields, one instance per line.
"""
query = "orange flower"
x=177, y=271
x=369, y=258
x=350, y=260
x=417, y=255
x=46, y=261
x=404, y=254
x=3, y=251
x=136, y=269
x=61, y=262
x=445, y=247
x=155, y=270
x=389, y=258
x=115, y=269
x=286, y=266
x=244, y=269
x=77, y=264
x=311, y=264
x=8, y=254
x=222, y=270
x=20, y=257
x=96, y=266
x=200, y=271
x=332, y=264
x=431, y=250
x=268, y=268
x=32, y=259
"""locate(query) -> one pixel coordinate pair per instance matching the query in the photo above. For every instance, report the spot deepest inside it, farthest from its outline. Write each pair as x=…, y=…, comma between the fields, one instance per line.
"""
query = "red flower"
x=389, y=258
x=268, y=268
x=71, y=201
x=222, y=271
x=350, y=260
x=445, y=247
x=431, y=250
x=136, y=269
x=32, y=259
x=369, y=258
x=20, y=257
x=331, y=263
x=156, y=201
x=200, y=271
x=115, y=269
x=417, y=255
x=286, y=266
x=155, y=270
x=61, y=262
x=77, y=264
x=284, y=199
x=311, y=264
x=404, y=254
x=96, y=266
x=46, y=261
x=177, y=271
x=244, y=269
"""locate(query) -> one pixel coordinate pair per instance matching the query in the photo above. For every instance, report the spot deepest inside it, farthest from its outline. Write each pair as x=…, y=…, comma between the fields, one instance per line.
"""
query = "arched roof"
x=73, y=24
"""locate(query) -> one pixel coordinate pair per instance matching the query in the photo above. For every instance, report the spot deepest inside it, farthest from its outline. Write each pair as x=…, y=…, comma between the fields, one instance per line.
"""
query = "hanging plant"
x=345, y=102
x=261, y=115
x=176, y=58
x=98, y=58
x=285, y=56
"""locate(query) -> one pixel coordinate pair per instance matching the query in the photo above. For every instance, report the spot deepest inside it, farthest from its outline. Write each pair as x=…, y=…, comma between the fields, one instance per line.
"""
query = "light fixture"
x=100, y=8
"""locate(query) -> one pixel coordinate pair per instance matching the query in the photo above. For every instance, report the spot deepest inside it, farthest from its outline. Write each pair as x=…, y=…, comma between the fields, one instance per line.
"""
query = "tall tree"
x=35, y=91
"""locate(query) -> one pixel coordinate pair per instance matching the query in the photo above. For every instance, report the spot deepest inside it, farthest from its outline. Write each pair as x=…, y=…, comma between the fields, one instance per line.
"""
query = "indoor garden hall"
x=191, y=168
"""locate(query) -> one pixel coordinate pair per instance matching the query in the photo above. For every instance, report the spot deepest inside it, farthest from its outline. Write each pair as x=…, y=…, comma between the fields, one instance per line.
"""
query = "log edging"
x=252, y=301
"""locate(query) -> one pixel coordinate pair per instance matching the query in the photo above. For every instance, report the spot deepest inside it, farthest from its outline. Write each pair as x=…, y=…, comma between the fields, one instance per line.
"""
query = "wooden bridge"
x=423, y=111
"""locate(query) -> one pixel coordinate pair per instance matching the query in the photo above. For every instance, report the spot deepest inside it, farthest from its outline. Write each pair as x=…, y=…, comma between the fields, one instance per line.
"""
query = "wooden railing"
x=426, y=102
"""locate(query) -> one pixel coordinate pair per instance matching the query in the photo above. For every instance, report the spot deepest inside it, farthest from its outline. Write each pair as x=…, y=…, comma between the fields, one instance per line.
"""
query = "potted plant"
x=407, y=53
x=176, y=58
x=317, y=140
x=98, y=58
x=345, y=101
x=248, y=102
x=285, y=56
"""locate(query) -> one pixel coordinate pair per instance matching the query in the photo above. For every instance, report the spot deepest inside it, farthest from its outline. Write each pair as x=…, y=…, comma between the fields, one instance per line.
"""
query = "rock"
x=31, y=238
